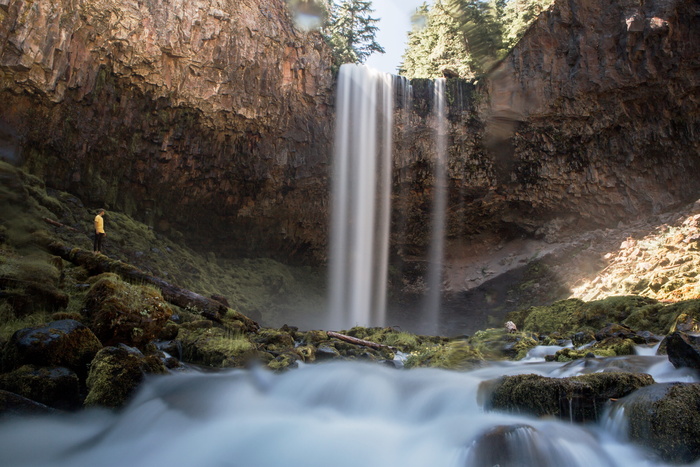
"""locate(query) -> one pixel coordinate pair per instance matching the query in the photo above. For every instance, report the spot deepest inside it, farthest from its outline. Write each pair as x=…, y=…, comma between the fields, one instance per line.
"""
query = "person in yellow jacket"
x=99, y=231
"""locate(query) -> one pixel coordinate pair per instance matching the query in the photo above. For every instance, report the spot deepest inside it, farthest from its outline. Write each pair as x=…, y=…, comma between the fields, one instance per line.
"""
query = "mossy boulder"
x=499, y=344
x=116, y=373
x=664, y=417
x=203, y=343
x=683, y=350
x=579, y=398
x=120, y=312
x=273, y=340
x=453, y=355
x=66, y=343
x=568, y=317
x=56, y=387
x=31, y=283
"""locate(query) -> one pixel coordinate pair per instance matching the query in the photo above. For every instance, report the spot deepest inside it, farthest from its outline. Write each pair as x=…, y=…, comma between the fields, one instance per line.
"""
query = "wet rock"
x=60, y=343
x=524, y=445
x=683, y=350
x=580, y=398
x=125, y=313
x=215, y=347
x=326, y=352
x=497, y=344
x=12, y=404
x=663, y=417
x=115, y=374
x=273, y=340
x=56, y=387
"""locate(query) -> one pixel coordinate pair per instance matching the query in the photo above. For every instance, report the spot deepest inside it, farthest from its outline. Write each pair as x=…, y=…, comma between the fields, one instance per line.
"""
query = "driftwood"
x=99, y=263
x=58, y=224
x=356, y=341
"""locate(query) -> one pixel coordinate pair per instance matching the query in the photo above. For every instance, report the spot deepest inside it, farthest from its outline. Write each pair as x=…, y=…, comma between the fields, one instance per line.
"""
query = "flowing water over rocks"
x=342, y=414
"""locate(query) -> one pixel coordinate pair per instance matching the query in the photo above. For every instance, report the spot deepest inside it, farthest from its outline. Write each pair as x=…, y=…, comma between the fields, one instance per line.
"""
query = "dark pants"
x=97, y=245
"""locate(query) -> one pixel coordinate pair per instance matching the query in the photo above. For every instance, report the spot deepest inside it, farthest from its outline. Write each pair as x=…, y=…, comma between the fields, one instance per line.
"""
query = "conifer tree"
x=352, y=31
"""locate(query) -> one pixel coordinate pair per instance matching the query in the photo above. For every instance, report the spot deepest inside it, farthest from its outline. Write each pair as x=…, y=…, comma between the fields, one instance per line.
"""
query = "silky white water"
x=431, y=303
x=361, y=193
x=336, y=414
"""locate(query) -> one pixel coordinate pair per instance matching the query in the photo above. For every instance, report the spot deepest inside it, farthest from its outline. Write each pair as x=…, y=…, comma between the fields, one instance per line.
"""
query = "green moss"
x=498, y=344
x=216, y=347
x=558, y=317
x=455, y=355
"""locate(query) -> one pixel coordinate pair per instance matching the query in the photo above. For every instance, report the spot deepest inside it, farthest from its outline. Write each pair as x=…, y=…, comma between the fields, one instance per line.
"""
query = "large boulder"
x=115, y=374
x=66, y=343
x=124, y=313
x=664, y=417
x=579, y=398
x=683, y=350
x=12, y=404
x=56, y=387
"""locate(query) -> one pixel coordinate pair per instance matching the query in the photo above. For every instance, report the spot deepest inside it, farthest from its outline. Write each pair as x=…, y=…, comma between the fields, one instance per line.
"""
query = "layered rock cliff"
x=215, y=119
x=207, y=117
x=592, y=120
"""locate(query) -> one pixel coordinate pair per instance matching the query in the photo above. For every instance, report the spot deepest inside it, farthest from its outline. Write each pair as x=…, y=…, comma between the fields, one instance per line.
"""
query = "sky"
x=394, y=24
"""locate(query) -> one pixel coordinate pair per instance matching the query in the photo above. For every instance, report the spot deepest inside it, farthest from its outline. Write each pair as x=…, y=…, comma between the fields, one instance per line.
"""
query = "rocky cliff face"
x=592, y=120
x=208, y=117
x=214, y=118
x=596, y=112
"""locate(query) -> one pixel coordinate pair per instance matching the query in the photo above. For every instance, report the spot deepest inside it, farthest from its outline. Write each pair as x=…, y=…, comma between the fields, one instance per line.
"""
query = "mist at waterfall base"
x=339, y=414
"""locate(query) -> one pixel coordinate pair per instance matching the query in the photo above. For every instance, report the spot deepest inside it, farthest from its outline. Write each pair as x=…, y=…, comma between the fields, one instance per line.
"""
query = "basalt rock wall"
x=205, y=117
x=214, y=118
x=592, y=119
x=595, y=116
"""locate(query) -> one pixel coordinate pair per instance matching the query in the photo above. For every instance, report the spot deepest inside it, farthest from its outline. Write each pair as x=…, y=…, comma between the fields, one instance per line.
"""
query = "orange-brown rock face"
x=596, y=112
x=207, y=116
x=214, y=118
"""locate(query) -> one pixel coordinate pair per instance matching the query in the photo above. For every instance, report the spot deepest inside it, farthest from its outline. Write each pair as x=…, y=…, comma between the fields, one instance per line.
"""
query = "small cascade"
x=361, y=194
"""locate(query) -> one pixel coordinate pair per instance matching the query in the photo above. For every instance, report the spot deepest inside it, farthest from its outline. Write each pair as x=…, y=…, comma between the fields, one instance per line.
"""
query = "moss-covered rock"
x=664, y=417
x=499, y=343
x=204, y=344
x=56, y=387
x=31, y=283
x=60, y=343
x=273, y=340
x=115, y=374
x=580, y=398
x=454, y=355
x=125, y=313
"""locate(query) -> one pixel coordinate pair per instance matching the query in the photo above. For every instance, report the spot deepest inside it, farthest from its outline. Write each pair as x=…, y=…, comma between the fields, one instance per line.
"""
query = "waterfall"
x=361, y=193
x=431, y=303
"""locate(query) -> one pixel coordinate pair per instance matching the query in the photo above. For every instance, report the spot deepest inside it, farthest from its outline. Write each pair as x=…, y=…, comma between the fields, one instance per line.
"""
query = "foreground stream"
x=331, y=414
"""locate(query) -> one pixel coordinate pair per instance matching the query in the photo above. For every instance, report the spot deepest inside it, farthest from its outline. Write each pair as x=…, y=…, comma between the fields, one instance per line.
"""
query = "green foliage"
x=465, y=37
x=351, y=31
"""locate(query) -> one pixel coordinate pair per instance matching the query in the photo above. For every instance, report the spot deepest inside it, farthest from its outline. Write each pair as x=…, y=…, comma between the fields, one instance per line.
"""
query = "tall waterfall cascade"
x=362, y=191
x=361, y=197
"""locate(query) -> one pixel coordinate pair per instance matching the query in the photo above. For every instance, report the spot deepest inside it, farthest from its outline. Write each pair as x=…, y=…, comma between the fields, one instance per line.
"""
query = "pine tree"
x=352, y=30
x=436, y=46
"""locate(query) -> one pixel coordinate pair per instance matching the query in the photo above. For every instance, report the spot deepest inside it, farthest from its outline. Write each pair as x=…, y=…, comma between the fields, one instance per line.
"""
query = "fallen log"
x=99, y=263
x=58, y=224
x=356, y=341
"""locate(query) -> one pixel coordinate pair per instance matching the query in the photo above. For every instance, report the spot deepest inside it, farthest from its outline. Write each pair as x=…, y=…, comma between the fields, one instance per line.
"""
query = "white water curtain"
x=361, y=197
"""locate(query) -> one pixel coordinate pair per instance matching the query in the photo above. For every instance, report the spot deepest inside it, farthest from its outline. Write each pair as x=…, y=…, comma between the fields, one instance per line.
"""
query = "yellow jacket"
x=99, y=224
